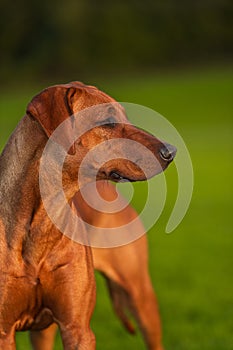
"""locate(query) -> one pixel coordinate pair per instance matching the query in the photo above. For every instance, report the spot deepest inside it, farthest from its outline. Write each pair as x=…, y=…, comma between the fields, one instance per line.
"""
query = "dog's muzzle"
x=167, y=152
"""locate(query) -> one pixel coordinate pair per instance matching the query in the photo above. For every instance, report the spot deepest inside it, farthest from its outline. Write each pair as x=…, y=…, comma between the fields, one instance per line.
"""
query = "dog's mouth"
x=117, y=177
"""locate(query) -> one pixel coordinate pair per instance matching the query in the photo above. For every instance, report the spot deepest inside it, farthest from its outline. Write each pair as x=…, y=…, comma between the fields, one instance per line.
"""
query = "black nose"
x=167, y=152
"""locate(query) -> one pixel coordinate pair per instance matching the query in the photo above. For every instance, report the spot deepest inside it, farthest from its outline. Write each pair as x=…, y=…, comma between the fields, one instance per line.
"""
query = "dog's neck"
x=20, y=200
x=19, y=164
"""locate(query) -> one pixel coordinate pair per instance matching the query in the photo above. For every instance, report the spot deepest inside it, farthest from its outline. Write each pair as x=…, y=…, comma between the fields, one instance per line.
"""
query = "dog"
x=38, y=261
x=125, y=270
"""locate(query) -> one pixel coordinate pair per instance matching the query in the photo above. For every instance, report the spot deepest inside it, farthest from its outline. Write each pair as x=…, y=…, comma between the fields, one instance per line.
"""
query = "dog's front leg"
x=70, y=294
x=43, y=340
x=78, y=339
x=72, y=313
x=75, y=327
x=7, y=340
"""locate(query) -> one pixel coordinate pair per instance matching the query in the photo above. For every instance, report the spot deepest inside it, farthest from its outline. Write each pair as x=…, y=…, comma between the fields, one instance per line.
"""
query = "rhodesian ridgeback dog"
x=125, y=269
x=46, y=276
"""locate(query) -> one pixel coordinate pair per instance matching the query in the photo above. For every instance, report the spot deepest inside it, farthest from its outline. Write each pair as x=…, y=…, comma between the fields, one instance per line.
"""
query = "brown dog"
x=38, y=262
x=125, y=269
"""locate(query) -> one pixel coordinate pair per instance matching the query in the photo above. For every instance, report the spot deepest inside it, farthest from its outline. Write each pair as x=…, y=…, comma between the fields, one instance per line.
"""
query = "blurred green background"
x=68, y=39
x=174, y=57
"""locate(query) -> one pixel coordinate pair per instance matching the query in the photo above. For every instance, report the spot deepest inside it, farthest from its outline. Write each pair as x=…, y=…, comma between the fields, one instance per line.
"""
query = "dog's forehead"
x=109, y=109
x=94, y=101
x=94, y=104
x=102, y=112
x=86, y=96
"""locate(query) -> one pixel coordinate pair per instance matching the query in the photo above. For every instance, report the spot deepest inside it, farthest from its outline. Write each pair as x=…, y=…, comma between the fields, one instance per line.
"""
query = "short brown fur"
x=46, y=277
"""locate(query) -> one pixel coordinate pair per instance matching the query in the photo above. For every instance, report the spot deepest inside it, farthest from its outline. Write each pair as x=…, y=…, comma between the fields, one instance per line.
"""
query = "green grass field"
x=191, y=268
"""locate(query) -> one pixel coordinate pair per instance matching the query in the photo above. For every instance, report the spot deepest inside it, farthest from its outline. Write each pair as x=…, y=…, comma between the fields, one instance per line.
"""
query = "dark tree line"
x=58, y=38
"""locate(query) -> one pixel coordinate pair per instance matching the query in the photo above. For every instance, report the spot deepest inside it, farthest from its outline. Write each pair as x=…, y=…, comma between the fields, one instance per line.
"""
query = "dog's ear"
x=53, y=106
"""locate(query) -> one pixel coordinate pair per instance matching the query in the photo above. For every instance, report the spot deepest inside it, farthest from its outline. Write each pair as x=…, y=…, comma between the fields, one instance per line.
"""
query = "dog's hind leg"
x=144, y=307
x=120, y=303
x=139, y=299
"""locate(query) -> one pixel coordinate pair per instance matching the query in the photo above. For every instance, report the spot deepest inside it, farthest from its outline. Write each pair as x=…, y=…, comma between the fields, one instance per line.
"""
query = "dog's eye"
x=109, y=122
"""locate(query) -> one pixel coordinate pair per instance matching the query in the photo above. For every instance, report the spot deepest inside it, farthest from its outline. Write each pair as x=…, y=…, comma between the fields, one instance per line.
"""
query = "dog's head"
x=97, y=130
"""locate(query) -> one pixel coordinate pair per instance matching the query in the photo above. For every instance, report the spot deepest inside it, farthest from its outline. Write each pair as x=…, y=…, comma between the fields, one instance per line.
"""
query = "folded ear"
x=50, y=108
